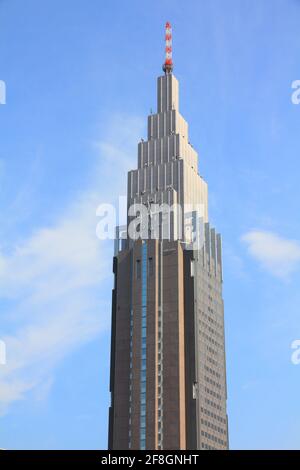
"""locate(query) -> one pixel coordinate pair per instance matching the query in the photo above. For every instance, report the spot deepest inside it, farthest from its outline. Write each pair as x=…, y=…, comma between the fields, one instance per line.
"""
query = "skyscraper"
x=168, y=372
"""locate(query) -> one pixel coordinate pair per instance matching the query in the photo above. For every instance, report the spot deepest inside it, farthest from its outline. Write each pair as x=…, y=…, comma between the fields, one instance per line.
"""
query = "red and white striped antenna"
x=168, y=64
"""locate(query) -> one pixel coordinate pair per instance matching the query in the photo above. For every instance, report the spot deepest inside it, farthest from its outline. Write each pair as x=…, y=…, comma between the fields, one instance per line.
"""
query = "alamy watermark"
x=296, y=94
x=295, y=357
x=154, y=221
x=2, y=92
x=2, y=353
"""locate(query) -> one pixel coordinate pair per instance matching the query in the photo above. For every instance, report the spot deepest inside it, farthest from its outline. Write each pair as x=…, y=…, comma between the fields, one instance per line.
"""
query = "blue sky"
x=81, y=79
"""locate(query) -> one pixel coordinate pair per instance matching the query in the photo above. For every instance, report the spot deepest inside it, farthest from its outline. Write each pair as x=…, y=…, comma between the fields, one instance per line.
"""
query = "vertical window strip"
x=130, y=360
x=160, y=351
x=143, y=373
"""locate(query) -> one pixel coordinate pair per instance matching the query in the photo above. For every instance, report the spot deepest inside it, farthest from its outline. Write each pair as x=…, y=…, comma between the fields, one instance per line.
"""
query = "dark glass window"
x=138, y=269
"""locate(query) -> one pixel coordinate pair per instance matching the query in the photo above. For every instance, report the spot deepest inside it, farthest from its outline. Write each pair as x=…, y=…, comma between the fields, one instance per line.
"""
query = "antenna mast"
x=168, y=64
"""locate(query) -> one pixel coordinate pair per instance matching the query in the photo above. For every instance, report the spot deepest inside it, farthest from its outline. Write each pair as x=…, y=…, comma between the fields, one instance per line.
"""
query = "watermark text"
x=2, y=92
x=296, y=94
x=295, y=358
x=2, y=353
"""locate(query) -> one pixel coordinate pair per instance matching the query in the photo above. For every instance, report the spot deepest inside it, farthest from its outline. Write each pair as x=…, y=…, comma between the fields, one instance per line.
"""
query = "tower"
x=168, y=373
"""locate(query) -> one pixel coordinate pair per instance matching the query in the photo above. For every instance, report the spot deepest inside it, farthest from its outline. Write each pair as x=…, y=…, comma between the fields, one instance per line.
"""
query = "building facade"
x=168, y=371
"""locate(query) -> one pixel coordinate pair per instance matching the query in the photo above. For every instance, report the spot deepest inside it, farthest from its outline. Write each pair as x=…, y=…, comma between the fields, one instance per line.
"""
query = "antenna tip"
x=168, y=64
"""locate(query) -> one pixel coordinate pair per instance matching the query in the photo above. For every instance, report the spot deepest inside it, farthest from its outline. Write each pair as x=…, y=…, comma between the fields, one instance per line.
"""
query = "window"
x=143, y=376
x=138, y=269
x=143, y=421
x=143, y=399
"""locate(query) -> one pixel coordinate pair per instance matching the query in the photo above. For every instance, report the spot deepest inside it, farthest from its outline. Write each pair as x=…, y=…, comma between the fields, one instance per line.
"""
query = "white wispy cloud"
x=50, y=283
x=278, y=255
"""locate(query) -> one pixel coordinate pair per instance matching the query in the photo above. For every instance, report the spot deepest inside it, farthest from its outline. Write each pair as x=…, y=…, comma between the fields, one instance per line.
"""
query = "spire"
x=168, y=64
